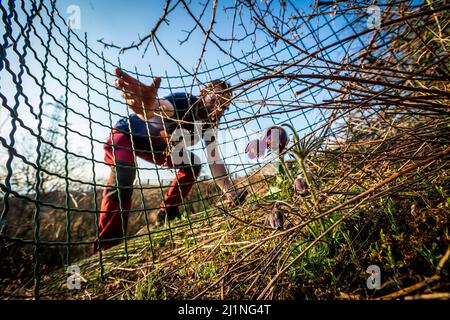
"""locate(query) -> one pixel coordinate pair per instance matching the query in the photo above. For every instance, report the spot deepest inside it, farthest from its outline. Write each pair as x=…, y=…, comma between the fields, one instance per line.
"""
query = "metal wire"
x=310, y=81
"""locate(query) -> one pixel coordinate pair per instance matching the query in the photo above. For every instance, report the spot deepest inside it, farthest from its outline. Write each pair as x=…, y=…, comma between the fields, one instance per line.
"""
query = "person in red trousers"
x=152, y=133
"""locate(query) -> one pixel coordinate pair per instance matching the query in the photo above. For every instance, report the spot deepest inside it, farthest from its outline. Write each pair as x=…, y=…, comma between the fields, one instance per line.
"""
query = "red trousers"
x=116, y=201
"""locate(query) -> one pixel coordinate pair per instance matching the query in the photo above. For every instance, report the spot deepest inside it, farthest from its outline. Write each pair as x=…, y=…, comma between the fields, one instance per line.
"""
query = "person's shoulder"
x=121, y=123
x=182, y=96
x=182, y=102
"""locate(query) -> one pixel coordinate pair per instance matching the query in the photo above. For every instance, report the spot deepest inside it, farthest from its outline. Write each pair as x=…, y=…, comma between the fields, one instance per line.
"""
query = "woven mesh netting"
x=361, y=92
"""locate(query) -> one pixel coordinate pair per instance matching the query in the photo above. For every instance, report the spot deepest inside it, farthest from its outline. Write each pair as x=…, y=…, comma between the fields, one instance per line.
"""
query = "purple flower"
x=255, y=149
x=275, y=219
x=275, y=138
x=300, y=186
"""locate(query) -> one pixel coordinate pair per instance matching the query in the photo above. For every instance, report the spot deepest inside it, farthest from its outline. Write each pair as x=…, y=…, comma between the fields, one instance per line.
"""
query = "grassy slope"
x=234, y=260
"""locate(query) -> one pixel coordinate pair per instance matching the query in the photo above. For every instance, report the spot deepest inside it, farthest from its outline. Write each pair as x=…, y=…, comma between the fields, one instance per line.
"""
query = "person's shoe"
x=165, y=215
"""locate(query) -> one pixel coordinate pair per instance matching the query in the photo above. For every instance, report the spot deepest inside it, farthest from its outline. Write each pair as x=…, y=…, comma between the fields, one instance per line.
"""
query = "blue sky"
x=121, y=22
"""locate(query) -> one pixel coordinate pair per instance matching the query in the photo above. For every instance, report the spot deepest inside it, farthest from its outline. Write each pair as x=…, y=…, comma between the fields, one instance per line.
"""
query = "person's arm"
x=142, y=99
x=164, y=108
x=218, y=170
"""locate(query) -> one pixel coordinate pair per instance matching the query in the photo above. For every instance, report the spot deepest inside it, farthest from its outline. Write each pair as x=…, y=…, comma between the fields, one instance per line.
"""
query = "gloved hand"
x=235, y=198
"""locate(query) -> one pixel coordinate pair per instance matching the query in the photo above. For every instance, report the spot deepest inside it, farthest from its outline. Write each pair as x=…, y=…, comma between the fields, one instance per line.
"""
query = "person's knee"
x=191, y=164
x=196, y=168
x=122, y=182
x=196, y=165
x=125, y=172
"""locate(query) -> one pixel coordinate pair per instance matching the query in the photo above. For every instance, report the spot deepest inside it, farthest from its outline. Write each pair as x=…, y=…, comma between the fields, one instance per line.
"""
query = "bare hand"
x=138, y=96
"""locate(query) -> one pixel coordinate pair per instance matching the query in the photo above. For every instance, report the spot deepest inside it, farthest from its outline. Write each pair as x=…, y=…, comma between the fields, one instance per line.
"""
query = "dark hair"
x=220, y=83
x=223, y=85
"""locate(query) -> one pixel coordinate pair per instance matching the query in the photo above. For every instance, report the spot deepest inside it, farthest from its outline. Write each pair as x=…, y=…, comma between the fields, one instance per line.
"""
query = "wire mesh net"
x=356, y=96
